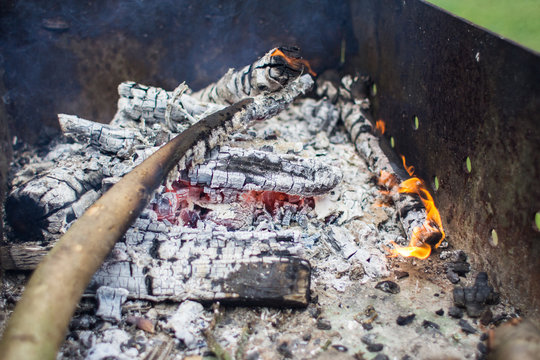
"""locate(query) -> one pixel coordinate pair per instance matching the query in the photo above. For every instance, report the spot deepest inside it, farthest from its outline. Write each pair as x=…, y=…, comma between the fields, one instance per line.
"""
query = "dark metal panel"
x=69, y=56
x=476, y=95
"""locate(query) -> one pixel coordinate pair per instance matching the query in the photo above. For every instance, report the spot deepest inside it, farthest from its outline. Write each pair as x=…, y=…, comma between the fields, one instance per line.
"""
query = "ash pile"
x=283, y=240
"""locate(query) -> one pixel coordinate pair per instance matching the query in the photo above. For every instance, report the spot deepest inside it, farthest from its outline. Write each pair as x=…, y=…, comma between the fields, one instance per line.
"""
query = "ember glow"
x=409, y=169
x=380, y=127
x=293, y=62
x=431, y=233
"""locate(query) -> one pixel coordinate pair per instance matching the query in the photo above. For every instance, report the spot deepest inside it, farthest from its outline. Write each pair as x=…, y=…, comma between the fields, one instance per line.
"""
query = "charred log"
x=246, y=169
x=354, y=116
x=267, y=74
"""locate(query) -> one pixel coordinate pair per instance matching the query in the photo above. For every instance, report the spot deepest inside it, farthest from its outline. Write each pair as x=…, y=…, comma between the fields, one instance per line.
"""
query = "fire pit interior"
x=360, y=214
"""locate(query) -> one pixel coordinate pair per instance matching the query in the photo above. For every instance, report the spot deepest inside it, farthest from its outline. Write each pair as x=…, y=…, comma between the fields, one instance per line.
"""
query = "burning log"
x=419, y=218
x=269, y=73
x=80, y=252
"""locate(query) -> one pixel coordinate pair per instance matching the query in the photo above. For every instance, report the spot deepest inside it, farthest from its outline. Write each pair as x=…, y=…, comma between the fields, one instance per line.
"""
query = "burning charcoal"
x=388, y=287
x=440, y=312
x=247, y=169
x=324, y=324
x=455, y=312
x=474, y=298
x=267, y=74
x=110, y=302
x=423, y=232
x=405, y=320
x=466, y=327
x=430, y=325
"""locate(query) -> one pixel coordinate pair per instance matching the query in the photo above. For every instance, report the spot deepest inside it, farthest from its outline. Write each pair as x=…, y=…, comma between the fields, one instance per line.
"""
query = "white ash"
x=186, y=323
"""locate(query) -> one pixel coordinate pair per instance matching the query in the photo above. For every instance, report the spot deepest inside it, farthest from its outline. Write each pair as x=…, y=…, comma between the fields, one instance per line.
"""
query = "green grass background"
x=518, y=20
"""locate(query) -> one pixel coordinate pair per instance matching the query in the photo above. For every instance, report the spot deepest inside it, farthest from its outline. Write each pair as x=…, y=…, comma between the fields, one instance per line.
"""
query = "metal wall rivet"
x=392, y=142
x=494, y=238
x=468, y=165
x=416, y=123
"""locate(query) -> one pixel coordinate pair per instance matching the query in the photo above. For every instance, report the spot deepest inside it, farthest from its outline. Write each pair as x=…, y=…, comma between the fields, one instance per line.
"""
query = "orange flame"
x=293, y=62
x=409, y=169
x=432, y=228
x=380, y=127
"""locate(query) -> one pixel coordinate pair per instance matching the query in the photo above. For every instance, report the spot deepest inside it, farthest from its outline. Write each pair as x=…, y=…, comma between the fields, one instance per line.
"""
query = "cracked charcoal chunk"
x=284, y=350
x=466, y=327
x=455, y=312
x=247, y=169
x=475, y=298
x=381, y=357
x=440, y=312
x=405, y=320
x=388, y=287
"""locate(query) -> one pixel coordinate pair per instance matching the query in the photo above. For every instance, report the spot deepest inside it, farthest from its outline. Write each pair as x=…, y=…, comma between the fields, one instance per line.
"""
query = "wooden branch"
x=37, y=326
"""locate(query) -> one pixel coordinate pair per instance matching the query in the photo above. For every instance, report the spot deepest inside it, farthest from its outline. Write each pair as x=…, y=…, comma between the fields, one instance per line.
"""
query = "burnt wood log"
x=247, y=169
x=269, y=73
x=140, y=105
x=353, y=113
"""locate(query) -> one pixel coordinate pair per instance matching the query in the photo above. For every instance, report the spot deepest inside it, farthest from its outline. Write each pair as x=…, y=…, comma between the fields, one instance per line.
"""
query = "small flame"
x=380, y=127
x=409, y=169
x=432, y=228
x=293, y=62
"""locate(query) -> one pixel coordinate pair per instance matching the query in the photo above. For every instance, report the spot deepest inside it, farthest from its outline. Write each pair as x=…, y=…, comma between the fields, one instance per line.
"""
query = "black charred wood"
x=475, y=298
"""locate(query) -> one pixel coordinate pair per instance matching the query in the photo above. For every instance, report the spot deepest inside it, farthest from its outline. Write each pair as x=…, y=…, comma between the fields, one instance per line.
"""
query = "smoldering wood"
x=248, y=169
x=66, y=266
x=43, y=206
x=267, y=74
x=353, y=114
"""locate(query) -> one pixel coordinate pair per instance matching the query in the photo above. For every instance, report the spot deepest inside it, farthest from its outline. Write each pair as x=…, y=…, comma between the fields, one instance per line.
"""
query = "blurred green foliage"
x=518, y=20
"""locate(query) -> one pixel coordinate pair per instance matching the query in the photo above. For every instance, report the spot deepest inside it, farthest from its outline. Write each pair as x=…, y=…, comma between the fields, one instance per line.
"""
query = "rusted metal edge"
x=476, y=96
